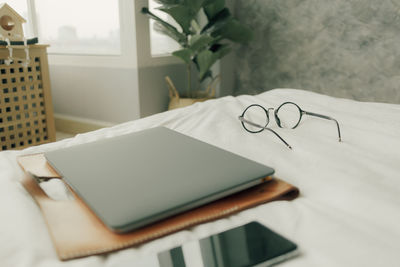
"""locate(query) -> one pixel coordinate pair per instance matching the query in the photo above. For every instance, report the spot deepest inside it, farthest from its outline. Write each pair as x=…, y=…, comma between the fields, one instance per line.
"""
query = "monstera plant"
x=205, y=34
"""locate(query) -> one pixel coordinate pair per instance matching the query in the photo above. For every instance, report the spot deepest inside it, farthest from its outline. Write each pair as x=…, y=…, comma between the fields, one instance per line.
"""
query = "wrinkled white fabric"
x=347, y=214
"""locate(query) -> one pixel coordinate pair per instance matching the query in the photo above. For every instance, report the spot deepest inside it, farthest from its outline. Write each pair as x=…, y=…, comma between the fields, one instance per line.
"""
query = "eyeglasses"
x=255, y=118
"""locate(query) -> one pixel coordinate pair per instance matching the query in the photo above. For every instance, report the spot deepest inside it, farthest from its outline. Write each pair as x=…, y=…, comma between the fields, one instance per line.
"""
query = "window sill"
x=111, y=61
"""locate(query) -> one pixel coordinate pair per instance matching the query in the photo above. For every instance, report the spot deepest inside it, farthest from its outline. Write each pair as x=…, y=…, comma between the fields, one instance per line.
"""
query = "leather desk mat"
x=77, y=232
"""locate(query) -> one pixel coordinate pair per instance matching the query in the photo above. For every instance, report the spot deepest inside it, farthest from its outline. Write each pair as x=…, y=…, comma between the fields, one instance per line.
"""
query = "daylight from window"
x=73, y=26
x=79, y=27
x=161, y=44
x=88, y=27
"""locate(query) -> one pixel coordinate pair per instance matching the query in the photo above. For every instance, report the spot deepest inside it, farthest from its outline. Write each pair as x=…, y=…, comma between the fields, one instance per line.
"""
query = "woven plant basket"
x=177, y=101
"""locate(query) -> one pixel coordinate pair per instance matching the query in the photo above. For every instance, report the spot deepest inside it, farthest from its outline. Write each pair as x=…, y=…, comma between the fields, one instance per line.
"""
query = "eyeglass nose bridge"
x=274, y=111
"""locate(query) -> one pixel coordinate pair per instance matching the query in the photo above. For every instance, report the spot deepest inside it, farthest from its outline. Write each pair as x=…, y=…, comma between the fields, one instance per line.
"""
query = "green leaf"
x=218, y=20
x=169, y=2
x=198, y=42
x=222, y=51
x=194, y=5
x=206, y=75
x=213, y=7
x=181, y=14
x=184, y=54
x=158, y=27
x=235, y=31
x=203, y=46
x=165, y=27
x=205, y=60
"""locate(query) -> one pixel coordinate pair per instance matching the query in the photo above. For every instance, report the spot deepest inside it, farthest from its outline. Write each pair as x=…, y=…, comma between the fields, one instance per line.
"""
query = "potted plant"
x=205, y=34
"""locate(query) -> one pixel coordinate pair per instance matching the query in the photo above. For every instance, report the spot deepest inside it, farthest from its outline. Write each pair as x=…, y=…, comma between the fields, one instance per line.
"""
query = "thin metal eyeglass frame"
x=262, y=128
x=278, y=121
x=303, y=112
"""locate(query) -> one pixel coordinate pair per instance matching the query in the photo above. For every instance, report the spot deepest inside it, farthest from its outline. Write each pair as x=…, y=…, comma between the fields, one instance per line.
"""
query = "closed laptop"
x=136, y=179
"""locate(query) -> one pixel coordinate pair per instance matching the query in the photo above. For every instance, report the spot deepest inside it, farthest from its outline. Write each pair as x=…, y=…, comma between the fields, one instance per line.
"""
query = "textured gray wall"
x=344, y=48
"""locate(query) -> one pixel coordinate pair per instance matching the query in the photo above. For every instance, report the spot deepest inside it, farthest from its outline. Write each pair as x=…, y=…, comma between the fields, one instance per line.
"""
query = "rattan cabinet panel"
x=26, y=111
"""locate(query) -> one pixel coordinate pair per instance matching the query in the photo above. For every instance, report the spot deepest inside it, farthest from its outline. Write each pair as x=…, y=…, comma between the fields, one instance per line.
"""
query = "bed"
x=347, y=213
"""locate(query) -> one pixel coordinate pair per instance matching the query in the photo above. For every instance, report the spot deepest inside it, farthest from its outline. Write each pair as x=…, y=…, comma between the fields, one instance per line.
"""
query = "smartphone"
x=251, y=244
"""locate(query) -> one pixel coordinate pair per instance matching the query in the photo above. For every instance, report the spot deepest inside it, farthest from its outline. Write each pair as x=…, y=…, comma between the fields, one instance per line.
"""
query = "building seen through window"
x=73, y=26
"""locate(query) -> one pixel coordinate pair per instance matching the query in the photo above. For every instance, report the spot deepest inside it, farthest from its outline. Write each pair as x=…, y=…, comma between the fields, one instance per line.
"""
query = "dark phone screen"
x=246, y=245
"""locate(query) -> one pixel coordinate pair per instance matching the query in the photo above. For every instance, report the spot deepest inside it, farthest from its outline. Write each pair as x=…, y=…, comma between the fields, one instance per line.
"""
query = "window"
x=89, y=27
x=161, y=44
x=79, y=27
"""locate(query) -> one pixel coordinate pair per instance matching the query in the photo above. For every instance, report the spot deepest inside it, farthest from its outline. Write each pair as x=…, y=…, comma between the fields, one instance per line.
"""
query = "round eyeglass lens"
x=289, y=115
x=255, y=117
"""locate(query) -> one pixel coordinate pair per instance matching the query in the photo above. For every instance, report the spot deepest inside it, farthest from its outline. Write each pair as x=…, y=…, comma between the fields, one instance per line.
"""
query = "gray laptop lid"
x=138, y=178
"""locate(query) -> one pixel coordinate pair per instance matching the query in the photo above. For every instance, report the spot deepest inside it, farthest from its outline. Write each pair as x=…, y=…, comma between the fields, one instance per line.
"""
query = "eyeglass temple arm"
x=265, y=128
x=327, y=118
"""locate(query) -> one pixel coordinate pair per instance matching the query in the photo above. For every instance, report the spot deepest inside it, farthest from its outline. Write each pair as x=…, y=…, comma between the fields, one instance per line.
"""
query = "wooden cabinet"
x=26, y=111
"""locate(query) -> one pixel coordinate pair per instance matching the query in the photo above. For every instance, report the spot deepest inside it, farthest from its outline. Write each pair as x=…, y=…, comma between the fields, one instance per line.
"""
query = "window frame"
x=145, y=58
x=125, y=59
x=135, y=52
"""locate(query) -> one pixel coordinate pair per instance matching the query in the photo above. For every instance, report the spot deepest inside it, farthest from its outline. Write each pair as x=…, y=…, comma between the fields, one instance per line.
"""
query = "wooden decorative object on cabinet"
x=26, y=110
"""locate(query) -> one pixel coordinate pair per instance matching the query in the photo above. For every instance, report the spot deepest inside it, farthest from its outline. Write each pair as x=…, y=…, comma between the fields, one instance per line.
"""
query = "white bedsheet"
x=348, y=213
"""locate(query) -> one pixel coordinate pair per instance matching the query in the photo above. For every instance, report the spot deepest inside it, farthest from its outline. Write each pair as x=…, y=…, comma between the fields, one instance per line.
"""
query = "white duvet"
x=348, y=213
